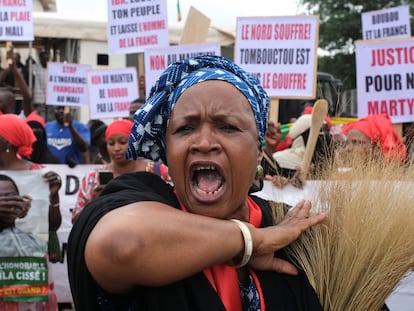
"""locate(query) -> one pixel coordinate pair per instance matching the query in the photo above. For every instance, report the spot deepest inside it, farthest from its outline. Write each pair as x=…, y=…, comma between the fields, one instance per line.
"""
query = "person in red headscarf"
x=116, y=137
x=16, y=147
x=371, y=138
x=17, y=136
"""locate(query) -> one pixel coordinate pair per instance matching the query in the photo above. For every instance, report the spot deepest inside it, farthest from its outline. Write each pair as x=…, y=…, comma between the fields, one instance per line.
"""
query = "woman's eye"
x=184, y=129
x=229, y=127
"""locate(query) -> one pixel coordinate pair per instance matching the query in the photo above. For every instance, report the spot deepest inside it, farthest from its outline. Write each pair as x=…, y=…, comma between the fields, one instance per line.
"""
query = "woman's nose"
x=205, y=141
x=117, y=146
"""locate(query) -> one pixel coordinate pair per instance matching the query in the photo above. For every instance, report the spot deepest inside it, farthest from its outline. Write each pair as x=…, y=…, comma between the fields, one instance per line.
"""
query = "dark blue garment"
x=250, y=296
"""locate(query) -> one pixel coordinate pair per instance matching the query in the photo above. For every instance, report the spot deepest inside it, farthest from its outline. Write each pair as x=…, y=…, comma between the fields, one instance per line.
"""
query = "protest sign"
x=135, y=25
x=66, y=84
x=281, y=52
x=387, y=23
x=16, y=20
x=195, y=28
x=71, y=181
x=111, y=92
x=385, y=78
x=158, y=59
x=23, y=244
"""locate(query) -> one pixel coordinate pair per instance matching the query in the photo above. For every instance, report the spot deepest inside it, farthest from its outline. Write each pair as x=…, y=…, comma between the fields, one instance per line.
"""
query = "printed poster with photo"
x=24, y=237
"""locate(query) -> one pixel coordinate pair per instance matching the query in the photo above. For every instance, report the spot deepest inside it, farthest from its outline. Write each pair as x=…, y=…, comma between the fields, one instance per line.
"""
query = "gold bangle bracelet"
x=248, y=243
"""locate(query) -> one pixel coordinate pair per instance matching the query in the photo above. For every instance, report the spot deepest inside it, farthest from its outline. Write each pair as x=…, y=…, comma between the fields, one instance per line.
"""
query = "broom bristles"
x=359, y=254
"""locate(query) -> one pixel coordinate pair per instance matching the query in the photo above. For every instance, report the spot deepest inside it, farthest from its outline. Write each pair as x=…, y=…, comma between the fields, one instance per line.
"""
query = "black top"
x=281, y=292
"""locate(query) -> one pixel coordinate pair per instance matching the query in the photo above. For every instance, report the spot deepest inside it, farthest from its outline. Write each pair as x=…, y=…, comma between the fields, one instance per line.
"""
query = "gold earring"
x=259, y=172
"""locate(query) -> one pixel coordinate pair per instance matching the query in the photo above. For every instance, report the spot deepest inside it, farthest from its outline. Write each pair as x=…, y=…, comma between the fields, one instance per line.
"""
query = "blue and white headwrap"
x=147, y=137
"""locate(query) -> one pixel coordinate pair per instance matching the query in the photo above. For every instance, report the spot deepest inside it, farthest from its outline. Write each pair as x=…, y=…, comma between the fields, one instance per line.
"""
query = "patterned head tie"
x=147, y=137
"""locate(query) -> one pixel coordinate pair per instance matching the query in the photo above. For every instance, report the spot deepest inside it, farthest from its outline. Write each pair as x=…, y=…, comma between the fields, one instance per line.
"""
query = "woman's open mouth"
x=207, y=180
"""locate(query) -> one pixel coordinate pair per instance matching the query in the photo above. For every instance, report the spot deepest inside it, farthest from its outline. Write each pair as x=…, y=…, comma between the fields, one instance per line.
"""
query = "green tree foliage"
x=340, y=26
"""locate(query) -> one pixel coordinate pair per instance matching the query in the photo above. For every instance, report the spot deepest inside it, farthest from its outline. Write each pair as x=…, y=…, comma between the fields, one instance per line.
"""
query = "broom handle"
x=319, y=111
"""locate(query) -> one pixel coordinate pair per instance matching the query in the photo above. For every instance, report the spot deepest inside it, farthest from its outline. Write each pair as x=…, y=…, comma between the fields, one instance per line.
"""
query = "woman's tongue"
x=208, y=181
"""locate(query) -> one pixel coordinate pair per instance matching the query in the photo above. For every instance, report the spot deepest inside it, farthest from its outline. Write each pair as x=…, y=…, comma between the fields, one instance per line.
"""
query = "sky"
x=221, y=12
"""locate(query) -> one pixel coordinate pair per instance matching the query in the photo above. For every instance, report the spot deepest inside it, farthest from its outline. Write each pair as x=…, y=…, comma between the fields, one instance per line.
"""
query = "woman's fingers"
x=52, y=178
x=271, y=239
x=317, y=219
x=299, y=210
x=299, y=217
x=279, y=181
x=283, y=266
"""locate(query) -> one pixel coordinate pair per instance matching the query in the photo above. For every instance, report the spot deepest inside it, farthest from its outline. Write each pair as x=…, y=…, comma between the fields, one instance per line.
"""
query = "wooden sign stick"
x=9, y=47
x=320, y=109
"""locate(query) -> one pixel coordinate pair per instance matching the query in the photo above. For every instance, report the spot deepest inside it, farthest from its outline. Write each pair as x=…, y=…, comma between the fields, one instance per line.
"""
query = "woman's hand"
x=270, y=239
x=55, y=182
x=296, y=180
x=95, y=194
x=97, y=191
x=279, y=181
x=55, y=216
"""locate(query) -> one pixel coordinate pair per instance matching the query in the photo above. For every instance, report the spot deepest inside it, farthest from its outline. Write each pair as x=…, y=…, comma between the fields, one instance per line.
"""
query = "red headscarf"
x=119, y=127
x=18, y=133
x=34, y=116
x=379, y=129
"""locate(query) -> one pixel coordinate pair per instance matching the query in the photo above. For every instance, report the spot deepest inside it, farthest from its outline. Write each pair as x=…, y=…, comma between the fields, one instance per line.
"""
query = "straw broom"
x=357, y=257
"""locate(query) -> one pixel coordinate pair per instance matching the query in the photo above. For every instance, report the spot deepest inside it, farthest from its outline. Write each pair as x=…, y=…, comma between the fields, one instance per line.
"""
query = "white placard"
x=386, y=23
x=385, y=78
x=158, y=59
x=16, y=21
x=66, y=84
x=134, y=25
x=281, y=52
x=111, y=92
x=68, y=193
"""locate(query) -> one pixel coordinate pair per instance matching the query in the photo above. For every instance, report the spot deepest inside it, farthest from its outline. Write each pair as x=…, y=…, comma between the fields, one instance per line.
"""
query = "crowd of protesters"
x=371, y=137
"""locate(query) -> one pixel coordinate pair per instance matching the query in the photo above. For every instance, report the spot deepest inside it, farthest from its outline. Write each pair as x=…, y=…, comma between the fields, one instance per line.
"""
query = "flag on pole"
x=178, y=11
